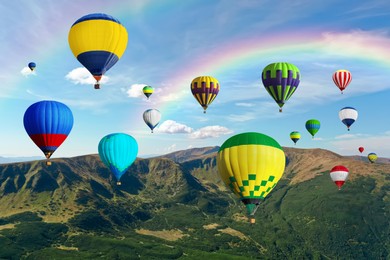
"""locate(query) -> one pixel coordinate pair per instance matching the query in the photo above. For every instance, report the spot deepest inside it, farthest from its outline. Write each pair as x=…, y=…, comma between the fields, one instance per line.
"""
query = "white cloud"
x=26, y=72
x=83, y=76
x=241, y=117
x=210, y=132
x=171, y=148
x=173, y=127
x=242, y=104
x=375, y=144
x=135, y=90
x=349, y=136
x=317, y=139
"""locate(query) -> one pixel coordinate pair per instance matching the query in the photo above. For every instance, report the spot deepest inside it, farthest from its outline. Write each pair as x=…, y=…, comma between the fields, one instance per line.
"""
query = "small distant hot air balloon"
x=118, y=151
x=372, y=157
x=48, y=123
x=281, y=79
x=98, y=41
x=32, y=66
x=348, y=116
x=152, y=118
x=205, y=89
x=312, y=126
x=295, y=136
x=342, y=78
x=148, y=90
x=251, y=164
x=339, y=175
x=361, y=149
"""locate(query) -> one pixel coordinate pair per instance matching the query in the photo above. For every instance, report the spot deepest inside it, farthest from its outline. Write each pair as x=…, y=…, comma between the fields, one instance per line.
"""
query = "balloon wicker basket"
x=118, y=183
x=48, y=163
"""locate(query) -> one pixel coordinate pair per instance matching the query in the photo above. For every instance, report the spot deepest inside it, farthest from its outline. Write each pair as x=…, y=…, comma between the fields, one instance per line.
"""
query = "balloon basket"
x=48, y=163
x=252, y=220
x=97, y=86
x=118, y=183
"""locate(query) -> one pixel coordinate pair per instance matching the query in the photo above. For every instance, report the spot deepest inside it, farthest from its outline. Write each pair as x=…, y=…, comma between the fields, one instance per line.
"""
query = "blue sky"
x=172, y=42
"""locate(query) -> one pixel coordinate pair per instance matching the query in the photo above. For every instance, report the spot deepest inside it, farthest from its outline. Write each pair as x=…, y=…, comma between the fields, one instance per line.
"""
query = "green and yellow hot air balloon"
x=372, y=157
x=295, y=136
x=148, y=91
x=251, y=164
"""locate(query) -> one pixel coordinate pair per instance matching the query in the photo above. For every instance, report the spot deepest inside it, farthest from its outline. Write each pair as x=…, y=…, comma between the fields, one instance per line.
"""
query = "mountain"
x=19, y=159
x=176, y=206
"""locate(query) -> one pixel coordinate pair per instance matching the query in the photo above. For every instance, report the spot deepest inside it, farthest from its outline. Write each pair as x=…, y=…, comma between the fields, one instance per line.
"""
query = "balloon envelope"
x=281, y=79
x=372, y=157
x=312, y=126
x=98, y=41
x=148, y=91
x=295, y=136
x=361, y=149
x=152, y=118
x=205, y=89
x=348, y=115
x=32, y=66
x=342, y=78
x=339, y=175
x=48, y=123
x=251, y=164
x=118, y=151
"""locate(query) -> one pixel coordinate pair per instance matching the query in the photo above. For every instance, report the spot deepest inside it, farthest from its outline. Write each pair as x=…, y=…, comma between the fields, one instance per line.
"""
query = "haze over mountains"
x=175, y=205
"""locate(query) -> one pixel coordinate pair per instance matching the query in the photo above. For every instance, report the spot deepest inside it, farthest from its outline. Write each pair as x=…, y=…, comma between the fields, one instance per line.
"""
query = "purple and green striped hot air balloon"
x=281, y=79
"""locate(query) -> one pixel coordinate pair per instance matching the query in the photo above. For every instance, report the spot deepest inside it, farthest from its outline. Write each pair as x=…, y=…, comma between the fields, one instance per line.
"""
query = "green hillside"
x=176, y=207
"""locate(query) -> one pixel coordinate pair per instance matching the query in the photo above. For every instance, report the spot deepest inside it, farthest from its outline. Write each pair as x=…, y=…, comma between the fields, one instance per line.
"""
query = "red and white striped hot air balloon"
x=342, y=78
x=339, y=175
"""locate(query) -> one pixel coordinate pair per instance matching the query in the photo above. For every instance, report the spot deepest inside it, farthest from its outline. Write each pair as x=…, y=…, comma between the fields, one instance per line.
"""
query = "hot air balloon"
x=281, y=79
x=32, y=66
x=372, y=157
x=295, y=136
x=148, y=90
x=205, y=89
x=152, y=118
x=361, y=149
x=251, y=164
x=312, y=126
x=98, y=41
x=48, y=123
x=342, y=78
x=339, y=175
x=118, y=151
x=348, y=116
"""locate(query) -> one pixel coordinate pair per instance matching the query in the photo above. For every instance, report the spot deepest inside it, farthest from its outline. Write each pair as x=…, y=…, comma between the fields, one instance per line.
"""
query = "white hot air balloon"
x=152, y=118
x=339, y=175
x=348, y=116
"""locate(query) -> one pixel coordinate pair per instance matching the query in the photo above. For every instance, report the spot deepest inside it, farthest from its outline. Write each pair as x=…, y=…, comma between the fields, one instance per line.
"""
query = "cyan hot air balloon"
x=98, y=41
x=295, y=136
x=205, y=89
x=251, y=164
x=281, y=79
x=118, y=151
x=48, y=123
x=348, y=115
x=342, y=78
x=152, y=118
x=148, y=91
x=32, y=66
x=312, y=126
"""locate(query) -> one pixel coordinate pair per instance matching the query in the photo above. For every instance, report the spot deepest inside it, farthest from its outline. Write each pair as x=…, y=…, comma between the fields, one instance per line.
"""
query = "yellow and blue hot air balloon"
x=372, y=157
x=295, y=136
x=205, y=89
x=98, y=41
x=118, y=151
x=251, y=164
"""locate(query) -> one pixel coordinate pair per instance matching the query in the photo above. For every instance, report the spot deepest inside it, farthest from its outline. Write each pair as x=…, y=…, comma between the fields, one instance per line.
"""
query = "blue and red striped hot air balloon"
x=48, y=123
x=98, y=41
